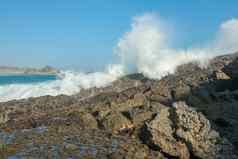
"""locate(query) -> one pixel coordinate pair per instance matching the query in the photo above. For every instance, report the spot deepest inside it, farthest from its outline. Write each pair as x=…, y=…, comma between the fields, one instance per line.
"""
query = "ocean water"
x=25, y=79
x=66, y=82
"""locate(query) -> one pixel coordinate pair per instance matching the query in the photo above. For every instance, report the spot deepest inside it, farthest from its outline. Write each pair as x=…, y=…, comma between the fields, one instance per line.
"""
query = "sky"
x=82, y=34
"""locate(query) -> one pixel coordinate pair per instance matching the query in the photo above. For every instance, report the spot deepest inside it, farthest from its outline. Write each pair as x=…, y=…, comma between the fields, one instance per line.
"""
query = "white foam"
x=145, y=49
x=70, y=83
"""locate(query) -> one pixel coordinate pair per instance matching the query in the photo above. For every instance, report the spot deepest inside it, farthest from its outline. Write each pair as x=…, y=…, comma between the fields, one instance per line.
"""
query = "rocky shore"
x=190, y=114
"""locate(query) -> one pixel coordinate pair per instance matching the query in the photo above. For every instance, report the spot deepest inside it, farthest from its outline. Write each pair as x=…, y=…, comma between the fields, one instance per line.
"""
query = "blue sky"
x=81, y=34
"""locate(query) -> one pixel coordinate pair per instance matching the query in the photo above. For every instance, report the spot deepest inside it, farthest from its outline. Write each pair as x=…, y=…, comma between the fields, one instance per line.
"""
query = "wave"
x=145, y=49
x=148, y=46
x=69, y=83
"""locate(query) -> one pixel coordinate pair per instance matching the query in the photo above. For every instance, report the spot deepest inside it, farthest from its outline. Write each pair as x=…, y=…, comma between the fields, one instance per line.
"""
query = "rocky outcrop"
x=135, y=117
x=116, y=122
x=3, y=117
x=195, y=129
x=162, y=131
x=220, y=75
x=182, y=132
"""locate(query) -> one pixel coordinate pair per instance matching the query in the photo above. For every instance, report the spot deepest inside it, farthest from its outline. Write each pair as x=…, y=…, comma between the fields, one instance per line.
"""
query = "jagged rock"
x=132, y=118
x=3, y=117
x=180, y=130
x=136, y=101
x=162, y=130
x=180, y=90
x=116, y=122
x=139, y=118
x=220, y=75
x=195, y=129
x=137, y=152
x=101, y=111
x=71, y=147
x=85, y=119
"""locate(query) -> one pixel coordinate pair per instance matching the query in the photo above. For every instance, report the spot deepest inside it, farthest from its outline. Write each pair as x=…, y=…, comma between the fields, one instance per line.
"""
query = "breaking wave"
x=146, y=48
x=69, y=83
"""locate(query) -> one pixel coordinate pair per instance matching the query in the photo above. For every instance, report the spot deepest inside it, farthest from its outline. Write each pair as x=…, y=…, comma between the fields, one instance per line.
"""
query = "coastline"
x=28, y=74
x=121, y=118
x=16, y=71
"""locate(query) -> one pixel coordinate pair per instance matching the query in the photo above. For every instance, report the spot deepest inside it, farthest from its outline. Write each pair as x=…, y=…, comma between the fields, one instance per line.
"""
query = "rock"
x=195, y=129
x=3, y=117
x=85, y=119
x=116, y=122
x=136, y=101
x=134, y=117
x=140, y=118
x=181, y=131
x=161, y=129
x=71, y=147
x=137, y=151
x=220, y=75
x=156, y=106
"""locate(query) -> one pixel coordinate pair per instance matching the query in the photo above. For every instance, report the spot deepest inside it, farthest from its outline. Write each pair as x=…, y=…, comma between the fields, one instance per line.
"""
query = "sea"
x=25, y=79
x=15, y=87
x=25, y=86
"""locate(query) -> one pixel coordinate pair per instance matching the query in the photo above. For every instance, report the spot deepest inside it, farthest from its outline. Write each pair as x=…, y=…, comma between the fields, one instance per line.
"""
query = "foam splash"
x=227, y=36
x=146, y=49
x=69, y=83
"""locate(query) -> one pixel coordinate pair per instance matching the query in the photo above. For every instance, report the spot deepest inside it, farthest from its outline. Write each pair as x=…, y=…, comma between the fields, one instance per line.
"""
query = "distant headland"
x=47, y=70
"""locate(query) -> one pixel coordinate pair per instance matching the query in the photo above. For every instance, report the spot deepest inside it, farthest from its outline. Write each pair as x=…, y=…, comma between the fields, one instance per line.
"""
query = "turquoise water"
x=25, y=79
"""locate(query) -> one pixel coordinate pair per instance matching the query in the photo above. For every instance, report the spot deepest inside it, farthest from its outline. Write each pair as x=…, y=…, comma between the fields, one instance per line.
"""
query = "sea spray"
x=145, y=49
x=147, y=46
x=69, y=83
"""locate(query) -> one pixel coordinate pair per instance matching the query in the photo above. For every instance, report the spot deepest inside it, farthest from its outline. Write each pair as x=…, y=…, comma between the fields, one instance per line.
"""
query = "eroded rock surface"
x=162, y=132
x=181, y=130
x=135, y=117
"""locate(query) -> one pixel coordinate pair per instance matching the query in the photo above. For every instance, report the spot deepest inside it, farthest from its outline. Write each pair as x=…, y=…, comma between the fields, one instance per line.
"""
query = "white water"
x=69, y=83
x=145, y=49
x=147, y=46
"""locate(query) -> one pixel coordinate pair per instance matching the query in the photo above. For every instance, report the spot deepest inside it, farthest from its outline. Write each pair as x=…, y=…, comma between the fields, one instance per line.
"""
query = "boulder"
x=182, y=132
x=3, y=117
x=85, y=119
x=220, y=75
x=116, y=122
x=196, y=130
x=162, y=130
